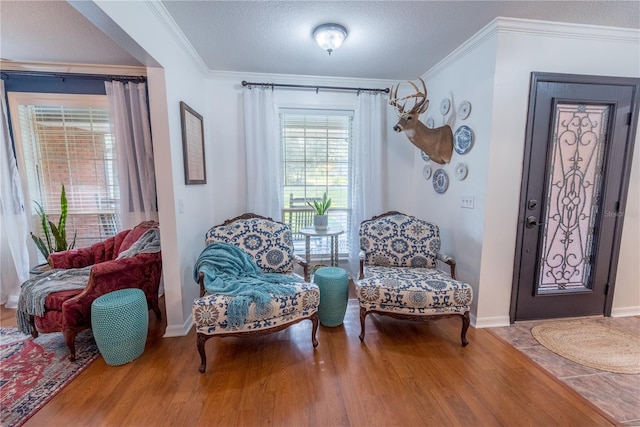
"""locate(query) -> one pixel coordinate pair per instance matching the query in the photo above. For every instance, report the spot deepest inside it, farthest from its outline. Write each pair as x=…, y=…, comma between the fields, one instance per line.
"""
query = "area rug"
x=591, y=344
x=32, y=371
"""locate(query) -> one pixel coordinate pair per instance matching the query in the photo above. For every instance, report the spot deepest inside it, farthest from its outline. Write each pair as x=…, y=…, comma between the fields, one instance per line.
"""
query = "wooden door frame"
x=539, y=77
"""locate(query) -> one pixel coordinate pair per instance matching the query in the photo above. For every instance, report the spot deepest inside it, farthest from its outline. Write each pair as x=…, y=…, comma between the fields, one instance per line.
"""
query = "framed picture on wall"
x=195, y=171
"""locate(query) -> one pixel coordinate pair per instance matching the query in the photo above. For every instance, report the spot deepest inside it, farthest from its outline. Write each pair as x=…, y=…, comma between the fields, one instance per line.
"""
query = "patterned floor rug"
x=32, y=371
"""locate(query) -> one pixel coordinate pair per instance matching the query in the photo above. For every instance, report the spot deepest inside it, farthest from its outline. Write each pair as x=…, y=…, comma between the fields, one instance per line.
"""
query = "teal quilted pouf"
x=120, y=322
x=334, y=295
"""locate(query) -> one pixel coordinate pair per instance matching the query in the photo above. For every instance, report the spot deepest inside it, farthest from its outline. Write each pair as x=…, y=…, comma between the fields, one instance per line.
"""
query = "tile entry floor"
x=617, y=395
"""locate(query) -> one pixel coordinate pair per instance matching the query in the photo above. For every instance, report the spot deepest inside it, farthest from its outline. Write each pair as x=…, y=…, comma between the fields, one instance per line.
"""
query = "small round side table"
x=334, y=295
x=120, y=321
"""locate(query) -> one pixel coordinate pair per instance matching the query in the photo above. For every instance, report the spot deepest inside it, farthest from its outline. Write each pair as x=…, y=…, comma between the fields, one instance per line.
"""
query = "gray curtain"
x=129, y=117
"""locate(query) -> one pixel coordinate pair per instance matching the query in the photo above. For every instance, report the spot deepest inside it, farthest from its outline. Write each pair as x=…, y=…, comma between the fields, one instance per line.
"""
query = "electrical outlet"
x=466, y=201
x=180, y=206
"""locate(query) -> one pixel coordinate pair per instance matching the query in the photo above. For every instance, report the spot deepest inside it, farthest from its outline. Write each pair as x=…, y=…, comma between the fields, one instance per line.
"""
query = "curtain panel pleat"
x=263, y=153
x=14, y=223
x=129, y=119
x=367, y=182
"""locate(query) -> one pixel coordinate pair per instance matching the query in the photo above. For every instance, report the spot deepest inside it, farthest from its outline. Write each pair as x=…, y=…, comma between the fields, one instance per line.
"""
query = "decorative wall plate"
x=426, y=172
x=445, y=105
x=430, y=123
x=464, y=109
x=440, y=181
x=463, y=139
x=461, y=171
x=424, y=156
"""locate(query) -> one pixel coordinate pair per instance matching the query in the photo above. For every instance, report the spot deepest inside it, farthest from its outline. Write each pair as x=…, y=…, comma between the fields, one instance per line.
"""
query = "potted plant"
x=55, y=236
x=320, y=218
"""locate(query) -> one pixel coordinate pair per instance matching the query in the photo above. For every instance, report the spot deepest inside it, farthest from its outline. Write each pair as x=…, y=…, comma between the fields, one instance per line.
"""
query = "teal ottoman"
x=120, y=321
x=334, y=295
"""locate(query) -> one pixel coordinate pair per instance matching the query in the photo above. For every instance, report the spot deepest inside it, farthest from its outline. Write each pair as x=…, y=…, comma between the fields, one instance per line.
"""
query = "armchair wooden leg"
x=465, y=326
x=34, y=331
x=70, y=340
x=156, y=308
x=314, y=330
x=202, y=338
x=363, y=314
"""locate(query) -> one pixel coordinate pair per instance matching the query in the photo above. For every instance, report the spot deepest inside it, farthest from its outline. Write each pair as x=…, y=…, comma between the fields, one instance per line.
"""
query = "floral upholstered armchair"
x=130, y=259
x=398, y=274
x=248, y=262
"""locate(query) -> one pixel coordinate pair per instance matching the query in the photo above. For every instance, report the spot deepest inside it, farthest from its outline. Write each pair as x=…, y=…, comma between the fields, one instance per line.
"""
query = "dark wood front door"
x=579, y=144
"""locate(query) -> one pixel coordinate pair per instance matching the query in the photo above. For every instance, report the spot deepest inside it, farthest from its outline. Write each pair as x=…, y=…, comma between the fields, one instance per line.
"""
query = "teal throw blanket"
x=229, y=270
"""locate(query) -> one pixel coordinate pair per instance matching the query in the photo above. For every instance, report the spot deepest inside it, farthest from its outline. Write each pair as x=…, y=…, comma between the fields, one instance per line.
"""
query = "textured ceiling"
x=387, y=39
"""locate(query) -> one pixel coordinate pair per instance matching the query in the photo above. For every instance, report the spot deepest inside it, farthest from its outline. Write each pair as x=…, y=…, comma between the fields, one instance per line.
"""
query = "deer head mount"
x=436, y=143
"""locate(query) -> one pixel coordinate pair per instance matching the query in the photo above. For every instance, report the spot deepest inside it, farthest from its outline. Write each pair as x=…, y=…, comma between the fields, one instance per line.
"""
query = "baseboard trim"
x=179, y=330
x=625, y=312
x=492, y=322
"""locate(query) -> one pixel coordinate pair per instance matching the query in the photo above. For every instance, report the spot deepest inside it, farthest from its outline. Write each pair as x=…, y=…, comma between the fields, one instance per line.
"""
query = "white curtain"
x=129, y=118
x=14, y=225
x=262, y=143
x=369, y=165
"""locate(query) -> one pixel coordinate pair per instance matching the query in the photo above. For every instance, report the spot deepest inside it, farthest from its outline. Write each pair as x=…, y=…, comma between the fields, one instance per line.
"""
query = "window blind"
x=316, y=149
x=72, y=146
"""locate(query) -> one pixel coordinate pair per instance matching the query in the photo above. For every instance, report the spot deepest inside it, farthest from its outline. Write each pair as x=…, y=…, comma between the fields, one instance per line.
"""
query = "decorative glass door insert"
x=573, y=194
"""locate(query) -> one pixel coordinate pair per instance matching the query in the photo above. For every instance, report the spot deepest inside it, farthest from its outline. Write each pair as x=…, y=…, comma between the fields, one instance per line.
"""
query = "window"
x=66, y=139
x=316, y=147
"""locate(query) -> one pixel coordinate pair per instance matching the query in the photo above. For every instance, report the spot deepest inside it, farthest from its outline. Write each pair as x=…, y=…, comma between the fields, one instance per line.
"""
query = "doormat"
x=591, y=344
x=32, y=371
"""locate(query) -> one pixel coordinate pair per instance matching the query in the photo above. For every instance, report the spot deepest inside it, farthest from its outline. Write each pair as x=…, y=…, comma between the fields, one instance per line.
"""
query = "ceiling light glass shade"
x=329, y=36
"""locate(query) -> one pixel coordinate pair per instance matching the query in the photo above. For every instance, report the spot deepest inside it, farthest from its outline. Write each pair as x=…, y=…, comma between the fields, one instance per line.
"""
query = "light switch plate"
x=466, y=201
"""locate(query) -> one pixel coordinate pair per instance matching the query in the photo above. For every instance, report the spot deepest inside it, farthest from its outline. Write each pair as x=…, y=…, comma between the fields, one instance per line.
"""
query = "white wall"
x=468, y=74
x=492, y=70
x=178, y=77
x=225, y=108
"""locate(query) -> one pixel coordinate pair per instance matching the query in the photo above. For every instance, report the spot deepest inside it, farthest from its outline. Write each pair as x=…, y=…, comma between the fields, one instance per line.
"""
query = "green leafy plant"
x=322, y=206
x=55, y=236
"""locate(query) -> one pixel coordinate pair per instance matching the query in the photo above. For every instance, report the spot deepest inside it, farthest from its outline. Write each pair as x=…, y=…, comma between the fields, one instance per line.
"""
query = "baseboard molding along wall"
x=625, y=312
x=179, y=331
x=490, y=322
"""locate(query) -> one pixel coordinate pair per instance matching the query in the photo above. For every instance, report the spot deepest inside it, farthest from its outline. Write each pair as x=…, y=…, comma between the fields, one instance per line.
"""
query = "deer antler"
x=421, y=101
x=393, y=101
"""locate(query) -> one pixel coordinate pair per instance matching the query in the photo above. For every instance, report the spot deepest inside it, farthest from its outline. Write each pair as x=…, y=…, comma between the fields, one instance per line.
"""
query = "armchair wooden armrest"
x=304, y=264
x=449, y=261
x=361, y=257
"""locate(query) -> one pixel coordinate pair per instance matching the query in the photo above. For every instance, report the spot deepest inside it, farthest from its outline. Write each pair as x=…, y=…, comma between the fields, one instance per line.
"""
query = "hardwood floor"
x=407, y=374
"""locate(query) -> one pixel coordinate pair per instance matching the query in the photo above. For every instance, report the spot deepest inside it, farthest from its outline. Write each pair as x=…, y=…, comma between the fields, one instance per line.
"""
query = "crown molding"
x=532, y=27
x=567, y=30
x=62, y=67
x=167, y=21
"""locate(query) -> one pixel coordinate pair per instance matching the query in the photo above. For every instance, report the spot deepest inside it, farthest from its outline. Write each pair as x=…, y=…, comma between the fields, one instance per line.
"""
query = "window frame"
x=344, y=239
x=68, y=100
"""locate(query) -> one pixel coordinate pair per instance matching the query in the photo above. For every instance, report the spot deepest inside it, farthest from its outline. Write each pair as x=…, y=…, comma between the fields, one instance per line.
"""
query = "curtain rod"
x=317, y=88
x=9, y=73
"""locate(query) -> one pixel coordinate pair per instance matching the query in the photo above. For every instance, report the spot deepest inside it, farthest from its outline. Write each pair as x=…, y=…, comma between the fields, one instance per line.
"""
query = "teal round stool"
x=120, y=321
x=334, y=295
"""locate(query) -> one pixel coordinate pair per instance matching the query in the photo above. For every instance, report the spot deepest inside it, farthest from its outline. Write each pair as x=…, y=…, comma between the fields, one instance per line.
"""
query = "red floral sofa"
x=69, y=311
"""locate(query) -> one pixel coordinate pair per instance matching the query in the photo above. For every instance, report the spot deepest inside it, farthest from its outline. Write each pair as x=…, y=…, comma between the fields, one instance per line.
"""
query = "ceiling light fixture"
x=329, y=36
